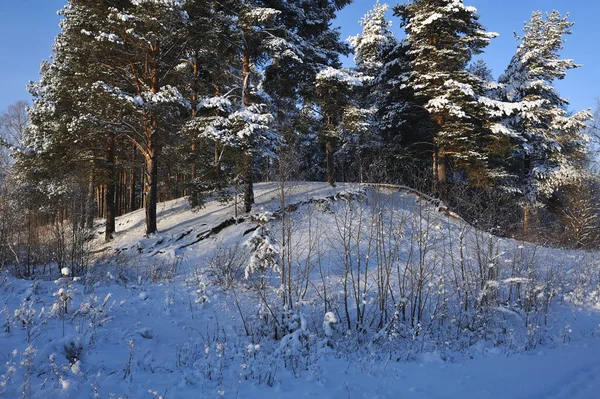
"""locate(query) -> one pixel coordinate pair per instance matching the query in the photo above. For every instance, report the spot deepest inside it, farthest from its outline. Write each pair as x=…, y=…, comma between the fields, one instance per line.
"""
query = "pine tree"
x=259, y=39
x=205, y=81
x=62, y=138
x=374, y=42
x=292, y=83
x=404, y=124
x=372, y=48
x=339, y=115
x=275, y=50
x=442, y=37
x=142, y=43
x=552, y=149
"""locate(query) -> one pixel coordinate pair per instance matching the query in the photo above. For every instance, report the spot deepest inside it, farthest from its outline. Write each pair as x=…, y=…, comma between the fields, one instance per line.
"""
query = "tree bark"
x=101, y=207
x=194, y=111
x=441, y=167
x=91, y=205
x=109, y=191
x=247, y=157
x=118, y=192
x=218, y=167
x=248, y=182
x=152, y=150
x=330, y=164
x=526, y=217
x=151, y=201
x=439, y=160
x=132, y=185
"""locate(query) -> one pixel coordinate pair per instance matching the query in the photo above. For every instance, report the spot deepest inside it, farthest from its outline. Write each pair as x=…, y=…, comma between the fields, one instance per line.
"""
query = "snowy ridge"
x=170, y=315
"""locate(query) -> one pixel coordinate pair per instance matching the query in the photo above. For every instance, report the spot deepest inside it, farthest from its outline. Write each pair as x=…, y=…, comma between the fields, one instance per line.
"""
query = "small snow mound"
x=329, y=322
x=146, y=333
x=65, y=384
x=76, y=368
x=143, y=295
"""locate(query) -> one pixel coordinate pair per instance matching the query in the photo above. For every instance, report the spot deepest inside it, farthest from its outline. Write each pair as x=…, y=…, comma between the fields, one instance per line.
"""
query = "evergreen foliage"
x=147, y=100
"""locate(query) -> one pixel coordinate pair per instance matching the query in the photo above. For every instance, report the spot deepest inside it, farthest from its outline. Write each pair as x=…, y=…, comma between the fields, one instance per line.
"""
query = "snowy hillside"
x=350, y=292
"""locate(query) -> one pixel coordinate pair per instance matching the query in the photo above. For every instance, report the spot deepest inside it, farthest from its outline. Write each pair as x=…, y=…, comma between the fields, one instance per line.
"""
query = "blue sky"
x=27, y=30
x=28, y=27
x=581, y=86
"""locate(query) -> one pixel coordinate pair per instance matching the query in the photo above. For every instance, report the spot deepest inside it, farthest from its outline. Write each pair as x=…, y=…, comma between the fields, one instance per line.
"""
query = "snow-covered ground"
x=153, y=318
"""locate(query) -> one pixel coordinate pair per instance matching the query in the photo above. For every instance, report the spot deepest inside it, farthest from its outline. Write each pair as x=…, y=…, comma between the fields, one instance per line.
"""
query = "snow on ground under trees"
x=433, y=307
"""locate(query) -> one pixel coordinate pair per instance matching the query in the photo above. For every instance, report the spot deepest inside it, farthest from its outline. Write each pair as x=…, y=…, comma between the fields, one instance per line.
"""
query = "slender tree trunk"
x=151, y=200
x=124, y=202
x=101, y=207
x=109, y=191
x=153, y=149
x=143, y=180
x=439, y=160
x=193, y=171
x=434, y=170
x=218, y=167
x=132, y=185
x=330, y=164
x=118, y=189
x=194, y=111
x=526, y=217
x=91, y=205
x=527, y=205
x=441, y=167
x=169, y=185
x=247, y=157
x=248, y=182
x=284, y=242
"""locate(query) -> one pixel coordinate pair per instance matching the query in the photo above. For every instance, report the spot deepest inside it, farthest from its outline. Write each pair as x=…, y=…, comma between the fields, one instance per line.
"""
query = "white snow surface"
x=148, y=323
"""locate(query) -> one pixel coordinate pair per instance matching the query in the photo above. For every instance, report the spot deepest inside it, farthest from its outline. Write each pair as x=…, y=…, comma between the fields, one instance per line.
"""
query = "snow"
x=329, y=322
x=432, y=18
x=464, y=88
x=147, y=99
x=331, y=74
x=263, y=14
x=149, y=320
x=168, y=3
x=111, y=37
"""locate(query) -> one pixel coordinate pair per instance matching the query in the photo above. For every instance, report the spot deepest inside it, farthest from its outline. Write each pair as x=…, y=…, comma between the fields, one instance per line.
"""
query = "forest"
x=202, y=191
x=146, y=101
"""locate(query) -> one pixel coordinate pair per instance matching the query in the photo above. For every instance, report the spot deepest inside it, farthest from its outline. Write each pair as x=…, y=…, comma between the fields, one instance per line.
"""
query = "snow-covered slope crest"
x=353, y=292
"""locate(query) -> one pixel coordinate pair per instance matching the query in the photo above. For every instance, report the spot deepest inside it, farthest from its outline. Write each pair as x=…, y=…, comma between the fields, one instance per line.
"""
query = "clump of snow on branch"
x=331, y=74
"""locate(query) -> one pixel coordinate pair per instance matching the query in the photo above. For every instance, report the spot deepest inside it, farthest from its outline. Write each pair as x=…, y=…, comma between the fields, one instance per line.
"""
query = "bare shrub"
x=226, y=265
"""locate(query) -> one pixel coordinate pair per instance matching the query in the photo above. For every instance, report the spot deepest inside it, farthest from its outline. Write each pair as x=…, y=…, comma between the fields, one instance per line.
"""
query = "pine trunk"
x=152, y=150
x=118, y=190
x=439, y=160
x=132, y=185
x=101, y=207
x=109, y=191
x=218, y=167
x=248, y=182
x=247, y=161
x=194, y=112
x=151, y=193
x=91, y=205
x=441, y=167
x=526, y=217
x=330, y=164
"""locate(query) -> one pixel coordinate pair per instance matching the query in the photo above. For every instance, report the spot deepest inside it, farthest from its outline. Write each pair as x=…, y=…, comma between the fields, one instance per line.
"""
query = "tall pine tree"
x=442, y=37
x=552, y=148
